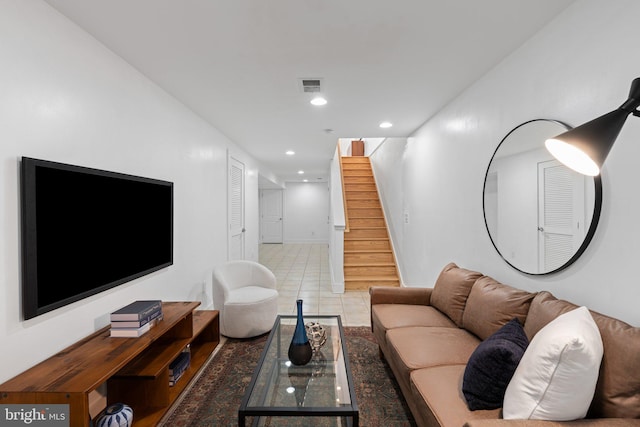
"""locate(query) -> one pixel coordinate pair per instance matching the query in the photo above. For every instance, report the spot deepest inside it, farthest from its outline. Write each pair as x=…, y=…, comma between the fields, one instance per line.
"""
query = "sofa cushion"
x=544, y=308
x=421, y=347
x=492, y=365
x=557, y=376
x=452, y=289
x=618, y=390
x=437, y=394
x=390, y=316
x=491, y=305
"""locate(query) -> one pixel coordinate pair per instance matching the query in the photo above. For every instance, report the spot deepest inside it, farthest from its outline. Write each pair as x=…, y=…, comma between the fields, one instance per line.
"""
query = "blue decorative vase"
x=300, y=351
x=116, y=415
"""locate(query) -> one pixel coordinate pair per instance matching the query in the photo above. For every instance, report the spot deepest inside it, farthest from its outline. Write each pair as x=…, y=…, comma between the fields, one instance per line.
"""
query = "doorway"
x=271, y=216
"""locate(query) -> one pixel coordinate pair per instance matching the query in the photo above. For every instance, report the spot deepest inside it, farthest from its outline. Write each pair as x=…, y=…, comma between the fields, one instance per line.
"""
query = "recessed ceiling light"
x=300, y=172
x=385, y=125
x=318, y=101
x=305, y=180
x=290, y=153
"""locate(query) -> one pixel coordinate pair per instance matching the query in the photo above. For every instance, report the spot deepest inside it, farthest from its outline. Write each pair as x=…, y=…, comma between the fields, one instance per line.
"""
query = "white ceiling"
x=236, y=63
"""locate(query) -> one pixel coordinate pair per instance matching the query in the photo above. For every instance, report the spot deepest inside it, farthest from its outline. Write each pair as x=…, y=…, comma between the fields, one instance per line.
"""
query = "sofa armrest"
x=387, y=295
x=595, y=422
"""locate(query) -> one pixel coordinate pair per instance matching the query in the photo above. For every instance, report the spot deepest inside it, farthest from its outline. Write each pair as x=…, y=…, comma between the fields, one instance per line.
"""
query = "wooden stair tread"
x=373, y=197
x=370, y=264
x=366, y=227
x=366, y=251
x=366, y=238
x=372, y=279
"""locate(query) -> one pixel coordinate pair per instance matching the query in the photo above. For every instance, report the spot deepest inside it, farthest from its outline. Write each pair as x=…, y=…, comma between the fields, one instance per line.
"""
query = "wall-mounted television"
x=87, y=230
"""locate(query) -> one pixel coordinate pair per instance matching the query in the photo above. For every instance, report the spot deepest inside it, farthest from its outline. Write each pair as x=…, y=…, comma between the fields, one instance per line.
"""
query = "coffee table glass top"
x=323, y=387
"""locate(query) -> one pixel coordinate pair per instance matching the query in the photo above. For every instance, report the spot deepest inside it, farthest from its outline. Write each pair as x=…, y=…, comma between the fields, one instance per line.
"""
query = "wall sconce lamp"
x=585, y=148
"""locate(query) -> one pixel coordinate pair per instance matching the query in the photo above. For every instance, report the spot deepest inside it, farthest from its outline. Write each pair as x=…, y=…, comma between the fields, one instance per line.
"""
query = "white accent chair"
x=245, y=294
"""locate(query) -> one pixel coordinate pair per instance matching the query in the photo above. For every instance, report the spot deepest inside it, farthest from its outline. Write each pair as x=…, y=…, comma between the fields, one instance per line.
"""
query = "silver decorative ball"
x=316, y=334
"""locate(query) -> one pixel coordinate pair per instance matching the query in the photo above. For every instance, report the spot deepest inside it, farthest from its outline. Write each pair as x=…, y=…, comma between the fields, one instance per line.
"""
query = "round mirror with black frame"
x=540, y=215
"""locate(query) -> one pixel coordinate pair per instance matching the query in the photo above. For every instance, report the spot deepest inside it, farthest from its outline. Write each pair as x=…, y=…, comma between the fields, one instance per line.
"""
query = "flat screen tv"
x=87, y=230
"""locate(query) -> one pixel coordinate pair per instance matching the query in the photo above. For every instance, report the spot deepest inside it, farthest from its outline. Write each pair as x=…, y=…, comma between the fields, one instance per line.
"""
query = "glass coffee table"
x=322, y=388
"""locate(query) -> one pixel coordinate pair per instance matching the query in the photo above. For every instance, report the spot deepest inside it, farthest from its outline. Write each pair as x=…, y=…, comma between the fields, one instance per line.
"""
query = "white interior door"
x=236, y=209
x=271, y=216
x=561, y=214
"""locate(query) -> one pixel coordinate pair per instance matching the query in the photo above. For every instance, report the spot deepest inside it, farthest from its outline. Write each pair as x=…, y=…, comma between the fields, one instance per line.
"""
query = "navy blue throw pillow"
x=492, y=365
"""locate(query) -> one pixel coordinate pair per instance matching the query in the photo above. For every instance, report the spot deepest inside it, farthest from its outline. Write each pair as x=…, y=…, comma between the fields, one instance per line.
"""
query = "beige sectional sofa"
x=428, y=334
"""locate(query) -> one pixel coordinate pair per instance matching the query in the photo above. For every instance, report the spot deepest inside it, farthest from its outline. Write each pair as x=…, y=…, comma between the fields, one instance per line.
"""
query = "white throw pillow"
x=556, y=377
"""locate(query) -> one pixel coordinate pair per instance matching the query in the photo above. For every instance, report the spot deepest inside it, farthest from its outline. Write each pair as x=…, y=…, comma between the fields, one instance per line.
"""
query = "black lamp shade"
x=595, y=138
x=586, y=147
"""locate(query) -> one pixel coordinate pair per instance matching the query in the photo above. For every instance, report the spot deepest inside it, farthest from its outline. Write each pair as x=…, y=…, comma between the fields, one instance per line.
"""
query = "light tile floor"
x=302, y=272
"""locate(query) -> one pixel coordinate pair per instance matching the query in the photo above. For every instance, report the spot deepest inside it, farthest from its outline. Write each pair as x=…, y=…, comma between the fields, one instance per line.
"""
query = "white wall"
x=517, y=207
x=387, y=163
x=306, y=212
x=579, y=67
x=65, y=97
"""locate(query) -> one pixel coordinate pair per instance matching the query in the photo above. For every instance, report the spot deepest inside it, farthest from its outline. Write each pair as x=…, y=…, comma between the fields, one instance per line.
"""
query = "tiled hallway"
x=302, y=272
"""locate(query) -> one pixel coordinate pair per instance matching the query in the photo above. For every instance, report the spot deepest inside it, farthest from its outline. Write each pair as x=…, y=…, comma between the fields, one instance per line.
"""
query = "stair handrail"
x=344, y=193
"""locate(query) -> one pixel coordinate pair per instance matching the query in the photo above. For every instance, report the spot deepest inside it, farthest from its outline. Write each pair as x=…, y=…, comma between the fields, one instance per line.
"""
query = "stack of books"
x=135, y=319
x=178, y=366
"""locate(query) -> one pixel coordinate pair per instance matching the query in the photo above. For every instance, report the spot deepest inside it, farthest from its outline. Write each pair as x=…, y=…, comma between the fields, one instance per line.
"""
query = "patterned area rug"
x=215, y=397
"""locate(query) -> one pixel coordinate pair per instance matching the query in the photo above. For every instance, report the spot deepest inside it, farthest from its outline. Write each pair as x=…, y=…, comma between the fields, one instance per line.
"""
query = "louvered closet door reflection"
x=236, y=209
x=561, y=214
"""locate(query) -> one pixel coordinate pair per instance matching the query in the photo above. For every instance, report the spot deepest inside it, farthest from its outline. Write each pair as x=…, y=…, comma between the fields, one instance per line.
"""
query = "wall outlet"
x=406, y=217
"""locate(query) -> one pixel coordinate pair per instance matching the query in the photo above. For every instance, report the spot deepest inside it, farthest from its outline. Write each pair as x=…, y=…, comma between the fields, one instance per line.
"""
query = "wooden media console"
x=135, y=370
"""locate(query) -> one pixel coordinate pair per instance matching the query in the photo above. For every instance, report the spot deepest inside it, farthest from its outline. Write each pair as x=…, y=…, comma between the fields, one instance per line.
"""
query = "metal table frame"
x=350, y=412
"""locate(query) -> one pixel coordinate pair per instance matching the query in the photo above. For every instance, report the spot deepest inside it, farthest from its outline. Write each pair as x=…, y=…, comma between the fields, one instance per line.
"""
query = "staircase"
x=368, y=257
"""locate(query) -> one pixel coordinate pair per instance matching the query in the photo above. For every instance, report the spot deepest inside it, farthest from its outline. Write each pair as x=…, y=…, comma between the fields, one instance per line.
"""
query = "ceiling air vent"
x=311, y=85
